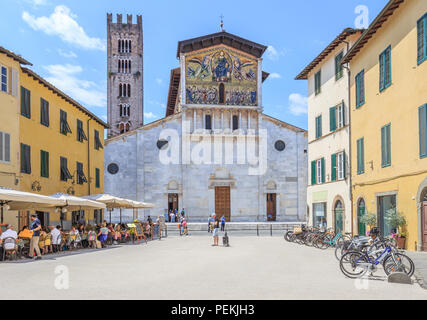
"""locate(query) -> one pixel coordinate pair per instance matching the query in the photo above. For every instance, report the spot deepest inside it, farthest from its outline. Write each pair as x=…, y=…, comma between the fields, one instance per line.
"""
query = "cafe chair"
x=9, y=252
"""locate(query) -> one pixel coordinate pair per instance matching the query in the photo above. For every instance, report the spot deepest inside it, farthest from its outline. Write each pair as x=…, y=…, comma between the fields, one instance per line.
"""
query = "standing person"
x=215, y=230
x=172, y=217
x=209, y=223
x=150, y=221
x=185, y=227
x=176, y=215
x=223, y=223
x=34, y=243
x=183, y=213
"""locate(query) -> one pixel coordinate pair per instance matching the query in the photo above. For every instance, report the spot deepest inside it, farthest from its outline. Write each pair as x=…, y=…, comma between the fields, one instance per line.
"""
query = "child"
x=91, y=238
x=184, y=226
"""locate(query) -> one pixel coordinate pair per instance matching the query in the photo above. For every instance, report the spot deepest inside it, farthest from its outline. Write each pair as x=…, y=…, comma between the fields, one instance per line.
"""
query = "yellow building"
x=9, y=117
x=389, y=119
x=60, y=147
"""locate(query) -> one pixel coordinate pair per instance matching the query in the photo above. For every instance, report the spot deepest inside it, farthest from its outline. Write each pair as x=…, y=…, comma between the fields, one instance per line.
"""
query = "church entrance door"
x=173, y=202
x=271, y=207
x=222, y=202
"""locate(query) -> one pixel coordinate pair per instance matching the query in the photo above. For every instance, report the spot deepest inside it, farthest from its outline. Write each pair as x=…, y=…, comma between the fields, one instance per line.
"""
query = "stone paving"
x=190, y=268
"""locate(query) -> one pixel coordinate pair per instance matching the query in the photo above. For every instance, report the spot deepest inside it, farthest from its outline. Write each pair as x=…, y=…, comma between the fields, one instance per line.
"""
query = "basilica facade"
x=215, y=150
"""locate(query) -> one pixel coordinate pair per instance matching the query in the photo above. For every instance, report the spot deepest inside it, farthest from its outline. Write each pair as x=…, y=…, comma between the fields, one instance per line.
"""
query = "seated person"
x=56, y=237
x=9, y=233
x=25, y=233
x=103, y=235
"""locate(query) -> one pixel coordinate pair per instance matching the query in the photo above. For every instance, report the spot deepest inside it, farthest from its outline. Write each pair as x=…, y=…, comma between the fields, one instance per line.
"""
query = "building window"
x=25, y=102
x=97, y=178
x=81, y=178
x=44, y=112
x=317, y=82
x=318, y=127
x=25, y=158
x=44, y=164
x=4, y=147
x=338, y=66
x=422, y=39
x=4, y=79
x=423, y=130
x=318, y=171
x=360, y=89
x=80, y=132
x=333, y=119
x=208, y=122
x=64, y=174
x=235, y=123
x=361, y=156
x=338, y=166
x=63, y=126
x=385, y=69
x=98, y=144
x=340, y=116
x=385, y=146
x=221, y=93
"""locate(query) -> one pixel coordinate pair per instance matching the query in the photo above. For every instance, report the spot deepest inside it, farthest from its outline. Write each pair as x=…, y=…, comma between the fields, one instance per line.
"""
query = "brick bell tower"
x=125, y=92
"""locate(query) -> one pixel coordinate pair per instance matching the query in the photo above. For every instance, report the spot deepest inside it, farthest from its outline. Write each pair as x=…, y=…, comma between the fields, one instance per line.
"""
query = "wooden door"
x=24, y=218
x=271, y=207
x=173, y=202
x=222, y=202
x=424, y=208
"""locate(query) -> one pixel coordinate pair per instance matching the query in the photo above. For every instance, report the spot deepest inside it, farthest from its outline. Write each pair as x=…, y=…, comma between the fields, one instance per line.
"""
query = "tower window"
x=221, y=93
x=128, y=90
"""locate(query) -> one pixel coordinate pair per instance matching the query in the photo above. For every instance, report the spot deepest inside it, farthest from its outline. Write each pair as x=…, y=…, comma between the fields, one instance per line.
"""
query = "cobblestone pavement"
x=190, y=268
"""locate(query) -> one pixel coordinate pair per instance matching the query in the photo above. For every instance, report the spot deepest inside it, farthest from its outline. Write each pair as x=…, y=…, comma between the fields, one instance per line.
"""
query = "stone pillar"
x=222, y=119
x=213, y=120
x=240, y=120
x=194, y=121
x=249, y=119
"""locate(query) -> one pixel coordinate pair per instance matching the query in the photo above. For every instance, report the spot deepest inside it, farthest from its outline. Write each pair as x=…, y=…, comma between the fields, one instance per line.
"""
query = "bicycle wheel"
x=288, y=236
x=352, y=265
x=401, y=263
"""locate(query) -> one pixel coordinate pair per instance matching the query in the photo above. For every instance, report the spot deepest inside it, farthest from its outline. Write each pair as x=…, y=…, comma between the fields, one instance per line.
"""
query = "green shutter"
x=360, y=156
x=422, y=39
x=97, y=174
x=385, y=146
x=423, y=130
x=333, y=119
x=313, y=172
x=323, y=170
x=334, y=167
x=44, y=161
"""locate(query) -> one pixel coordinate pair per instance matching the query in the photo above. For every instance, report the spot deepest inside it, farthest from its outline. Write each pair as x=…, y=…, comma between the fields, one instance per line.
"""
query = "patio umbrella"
x=111, y=202
x=73, y=203
x=18, y=200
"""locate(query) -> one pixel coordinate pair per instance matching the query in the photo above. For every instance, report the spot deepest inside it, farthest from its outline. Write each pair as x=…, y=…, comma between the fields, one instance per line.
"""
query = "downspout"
x=88, y=163
x=349, y=140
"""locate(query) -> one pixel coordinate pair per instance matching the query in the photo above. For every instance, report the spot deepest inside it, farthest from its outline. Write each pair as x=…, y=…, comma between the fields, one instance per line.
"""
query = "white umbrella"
x=17, y=200
x=78, y=203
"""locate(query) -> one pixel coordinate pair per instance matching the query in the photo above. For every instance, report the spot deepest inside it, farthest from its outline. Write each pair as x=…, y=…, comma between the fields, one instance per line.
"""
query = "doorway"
x=43, y=217
x=361, y=211
x=222, y=202
x=385, y=203
x=339, y=216
x=173, y=202
x=271, y=207
x=319, y=215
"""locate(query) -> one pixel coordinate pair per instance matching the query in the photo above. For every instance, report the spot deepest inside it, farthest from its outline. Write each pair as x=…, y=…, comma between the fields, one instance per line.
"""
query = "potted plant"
x=397, y=221
x=370, y=219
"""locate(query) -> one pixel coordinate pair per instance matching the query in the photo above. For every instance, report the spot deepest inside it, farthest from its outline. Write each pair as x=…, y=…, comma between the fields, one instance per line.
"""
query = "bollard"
x=257, y=230
x=271, y=230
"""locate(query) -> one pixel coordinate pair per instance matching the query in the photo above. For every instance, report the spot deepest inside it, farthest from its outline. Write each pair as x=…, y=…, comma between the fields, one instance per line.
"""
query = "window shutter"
x=334, y=167
x=97, y=175
x=14, y=82
x=423, y=130
x=344, y=167
x=387, y=63
x=388, y=145
x=2, y=157
x=383, y=155
x=333, y=119
x=28, y=158
x=381, y=65
x=343, y=113
x=323, y=170
x=362, y=86
x=313, y=172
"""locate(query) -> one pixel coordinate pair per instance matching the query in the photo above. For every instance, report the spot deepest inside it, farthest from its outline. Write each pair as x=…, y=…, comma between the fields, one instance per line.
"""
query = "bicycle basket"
x=297, y=230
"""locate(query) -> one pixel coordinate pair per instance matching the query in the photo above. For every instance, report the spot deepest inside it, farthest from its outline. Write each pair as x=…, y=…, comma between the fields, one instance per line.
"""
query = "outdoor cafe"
x=67, y=235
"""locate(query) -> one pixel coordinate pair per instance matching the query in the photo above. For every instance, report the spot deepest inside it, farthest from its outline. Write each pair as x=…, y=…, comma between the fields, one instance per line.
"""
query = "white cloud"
x=36, y=3
x=297, y=104
x=150, y=115
x=69, y=54
x=156, y=103
x=275, y=75
x=159, y=81
x=62, y=23
x=64, y=77
x=272, y=53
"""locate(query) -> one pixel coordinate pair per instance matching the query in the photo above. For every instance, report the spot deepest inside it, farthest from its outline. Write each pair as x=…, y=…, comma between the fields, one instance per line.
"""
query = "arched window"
x=122, y=128
x=121, y=111
x=130, y=46
x=127, y=127
x=128, y=90
x=130, y=70
x=128, y=107
x=120, y=90
x=221, y=93
x=118, y=66
x=235, y=123
x=361, y=211
x=119, y=45
x=339, y=216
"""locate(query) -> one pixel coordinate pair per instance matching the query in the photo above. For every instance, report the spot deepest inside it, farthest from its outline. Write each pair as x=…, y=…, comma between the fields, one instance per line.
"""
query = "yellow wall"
x=397, y=105
x=40, y=137
x=9, y=123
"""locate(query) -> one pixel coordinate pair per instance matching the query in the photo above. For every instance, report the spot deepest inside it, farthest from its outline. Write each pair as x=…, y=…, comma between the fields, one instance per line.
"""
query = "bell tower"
x=125, y=92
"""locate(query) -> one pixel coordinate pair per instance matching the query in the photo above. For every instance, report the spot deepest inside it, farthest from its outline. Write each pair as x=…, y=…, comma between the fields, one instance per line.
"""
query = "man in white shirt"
x=55, y=235
x=9, y=233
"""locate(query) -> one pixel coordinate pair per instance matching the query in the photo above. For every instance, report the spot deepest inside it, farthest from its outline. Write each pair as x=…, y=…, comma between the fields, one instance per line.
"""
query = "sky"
x=65, y=40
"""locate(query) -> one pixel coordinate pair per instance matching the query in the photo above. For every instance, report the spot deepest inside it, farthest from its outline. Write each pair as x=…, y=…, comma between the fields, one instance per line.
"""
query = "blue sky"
x=66, y=41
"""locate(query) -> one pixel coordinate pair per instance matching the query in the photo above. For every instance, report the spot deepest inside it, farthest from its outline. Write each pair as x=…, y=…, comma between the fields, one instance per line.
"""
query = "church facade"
x=215, y=150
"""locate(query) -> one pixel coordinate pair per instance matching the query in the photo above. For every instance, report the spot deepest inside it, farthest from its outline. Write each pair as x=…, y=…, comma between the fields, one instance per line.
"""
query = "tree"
x=370, y=219
x=395, y=219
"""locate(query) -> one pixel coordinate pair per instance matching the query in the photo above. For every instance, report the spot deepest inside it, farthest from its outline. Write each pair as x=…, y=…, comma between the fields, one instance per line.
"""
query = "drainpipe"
x=88, y=156
x=349, y=140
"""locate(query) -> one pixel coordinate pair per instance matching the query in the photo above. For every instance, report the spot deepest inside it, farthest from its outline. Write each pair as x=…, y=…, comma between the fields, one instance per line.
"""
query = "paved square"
x=189, y=268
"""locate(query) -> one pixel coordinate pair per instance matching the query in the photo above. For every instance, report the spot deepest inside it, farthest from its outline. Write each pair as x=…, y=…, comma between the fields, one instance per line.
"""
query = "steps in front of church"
x=239, y=226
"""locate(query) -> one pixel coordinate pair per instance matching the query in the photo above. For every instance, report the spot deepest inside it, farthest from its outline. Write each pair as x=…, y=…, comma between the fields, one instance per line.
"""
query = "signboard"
x=155, y=232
